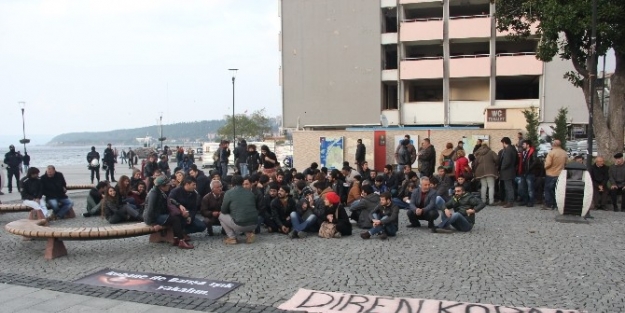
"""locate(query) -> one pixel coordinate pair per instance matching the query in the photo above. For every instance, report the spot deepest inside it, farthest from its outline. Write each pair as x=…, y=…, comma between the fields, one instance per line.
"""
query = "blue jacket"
x=429, y=203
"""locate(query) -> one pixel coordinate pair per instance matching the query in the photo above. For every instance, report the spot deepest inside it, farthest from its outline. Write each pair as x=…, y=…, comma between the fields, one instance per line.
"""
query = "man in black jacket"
x=281, y=209
x=12, y=159
x=460, y=211
x=94, y=166
x=240, y=158
x=361, y=152
x=600, y=177
x=360, y=211
x=109, y=161
x=424, y=204
x=385, y=219
x=202, y=181
x=529, y=165
x=507, y=170
x=186, y=196
x=55, y=189
x=32, y=191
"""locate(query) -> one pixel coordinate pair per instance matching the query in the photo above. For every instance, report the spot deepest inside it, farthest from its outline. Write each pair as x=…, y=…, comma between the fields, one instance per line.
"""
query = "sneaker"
x=337, y=235
x=230, y=241
x=365, y=235
x=437, y=230
x=383, y=236
x=250, y=237
x=431, y=225
x=86, y=214
x=183, y=244
x=293, y=234
x=414, y=225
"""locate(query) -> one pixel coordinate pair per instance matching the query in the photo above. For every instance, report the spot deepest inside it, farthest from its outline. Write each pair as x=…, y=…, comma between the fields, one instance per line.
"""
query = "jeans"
x=400, y=203
x=550, y=191
x=232, y=229
x=488, y=183
x=41, y=205
x=526, y=185
x=243, y=169
x=10, y=173
x=224, y=169
x=390, y=229
x=197, y=226
x=509, y=187
x=65, y=205
x=457, y=220
x=301, y=225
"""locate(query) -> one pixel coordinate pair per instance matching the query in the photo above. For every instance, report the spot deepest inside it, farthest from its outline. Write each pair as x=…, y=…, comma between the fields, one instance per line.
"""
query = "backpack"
x=448, y=163
x=403, y=155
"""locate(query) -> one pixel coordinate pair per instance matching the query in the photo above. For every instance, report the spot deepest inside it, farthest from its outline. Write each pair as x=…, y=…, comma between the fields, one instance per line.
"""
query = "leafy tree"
x=565, y=28
x=253, y=126
x=531, y=117
x=561, y=130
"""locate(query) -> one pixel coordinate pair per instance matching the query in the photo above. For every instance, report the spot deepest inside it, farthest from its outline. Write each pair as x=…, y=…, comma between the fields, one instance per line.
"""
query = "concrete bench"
x=55, y=235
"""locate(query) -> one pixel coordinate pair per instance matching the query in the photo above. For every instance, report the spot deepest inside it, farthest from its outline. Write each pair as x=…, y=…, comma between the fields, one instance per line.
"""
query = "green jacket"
x=465, y=202
x=240, y=204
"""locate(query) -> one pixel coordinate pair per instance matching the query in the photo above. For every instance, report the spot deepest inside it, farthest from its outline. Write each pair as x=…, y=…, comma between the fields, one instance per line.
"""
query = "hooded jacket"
x=485, y=162
x=366, y=205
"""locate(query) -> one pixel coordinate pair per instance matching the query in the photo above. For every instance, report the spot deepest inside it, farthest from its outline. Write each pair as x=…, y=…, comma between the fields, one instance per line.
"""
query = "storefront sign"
x=496, y=115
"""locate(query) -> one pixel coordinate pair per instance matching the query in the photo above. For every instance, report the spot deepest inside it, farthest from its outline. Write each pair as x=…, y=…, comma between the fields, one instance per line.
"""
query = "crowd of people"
x=454, y=187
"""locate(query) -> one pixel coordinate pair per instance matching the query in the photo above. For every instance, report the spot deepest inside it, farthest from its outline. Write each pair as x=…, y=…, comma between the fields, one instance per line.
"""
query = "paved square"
x=515, y=257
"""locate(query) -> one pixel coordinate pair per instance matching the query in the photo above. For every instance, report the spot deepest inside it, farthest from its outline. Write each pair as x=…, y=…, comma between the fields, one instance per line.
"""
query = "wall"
x=331, y=62
x=306, y=143
x=469, y=90
x=559, y=92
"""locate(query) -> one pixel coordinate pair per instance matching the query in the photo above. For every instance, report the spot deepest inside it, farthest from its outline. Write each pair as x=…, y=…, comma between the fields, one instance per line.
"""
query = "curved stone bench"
x=55, y=235
x=79, y=187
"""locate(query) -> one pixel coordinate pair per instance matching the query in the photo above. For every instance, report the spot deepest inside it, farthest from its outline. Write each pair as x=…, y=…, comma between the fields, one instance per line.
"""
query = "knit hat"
x=161, y=180
x=333, y=198
x=307, y=191
x=618, y=156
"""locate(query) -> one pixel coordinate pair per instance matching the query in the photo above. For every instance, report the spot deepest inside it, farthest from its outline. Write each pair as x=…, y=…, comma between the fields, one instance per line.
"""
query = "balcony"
x=522, y=103
x=392, y=116
x=518, y=64
x=389, y=39
x=463, y=27
x=420, y=1
x=390, y=75
x=424, y=68
x=421, y=30
x=388, y=3
x=467, y=112
x=423, y=113
x=469, y=66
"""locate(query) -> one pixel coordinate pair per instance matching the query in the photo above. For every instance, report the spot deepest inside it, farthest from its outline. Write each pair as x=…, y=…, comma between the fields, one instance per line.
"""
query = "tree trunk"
x=609, y=131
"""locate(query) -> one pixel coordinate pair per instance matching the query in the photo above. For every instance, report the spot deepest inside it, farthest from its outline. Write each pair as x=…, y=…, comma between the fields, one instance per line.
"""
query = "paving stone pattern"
x=516, y=257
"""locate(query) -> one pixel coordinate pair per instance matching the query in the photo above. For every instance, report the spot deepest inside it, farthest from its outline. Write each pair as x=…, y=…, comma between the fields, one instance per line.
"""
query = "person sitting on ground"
x=32, y=191
x=365, y=172
x=354, y=191
x=362, y=210
x=398, y=200
x=459, y=212
x=461, y=181
x=202, y=181
x=424, y=204
x=186, y=199
x=445, y=183
x=238, y=212
x=385, y=219
x=157, y=213
x=391, y=180
x=265, y=208
x=338, y=184
x=303, y=218
x=216, y=176
x=403, y=199
x=349, y=174
x=115, y=213
x=135, y=179
x=335, y=213
x=94, y=199
x=139, y=195
x=148, y=170
x=281, y=209
x=54, y=188
x=211, y=207
x=379, y=187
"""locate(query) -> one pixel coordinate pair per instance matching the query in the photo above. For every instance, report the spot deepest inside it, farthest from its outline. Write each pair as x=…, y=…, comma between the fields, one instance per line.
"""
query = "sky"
x=85, y=65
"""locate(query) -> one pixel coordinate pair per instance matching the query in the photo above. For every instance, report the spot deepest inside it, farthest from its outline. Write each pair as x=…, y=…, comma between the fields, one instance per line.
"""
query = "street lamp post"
x=161, y=138
x=24, y=141
x=234, y=126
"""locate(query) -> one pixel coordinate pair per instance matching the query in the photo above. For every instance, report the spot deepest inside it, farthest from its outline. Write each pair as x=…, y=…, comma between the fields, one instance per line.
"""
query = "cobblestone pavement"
x=517, y=257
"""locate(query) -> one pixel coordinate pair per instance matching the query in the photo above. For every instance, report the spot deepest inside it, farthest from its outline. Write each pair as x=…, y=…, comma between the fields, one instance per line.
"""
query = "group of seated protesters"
x=47, y=193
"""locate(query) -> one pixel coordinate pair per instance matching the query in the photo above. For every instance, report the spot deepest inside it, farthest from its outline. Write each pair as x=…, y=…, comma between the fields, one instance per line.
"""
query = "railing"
x=468, y=16
x=469, y=56
x=514, y=54
x=423, y=58
x=427, y=19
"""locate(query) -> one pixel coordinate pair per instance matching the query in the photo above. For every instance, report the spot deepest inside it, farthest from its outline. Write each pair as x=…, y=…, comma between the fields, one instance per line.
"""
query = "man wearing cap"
x=617, y=181
x=600, y=177
x=157, y=214
x=93, y=158
x=12, y=159
x=109, y=160
x=238, y=212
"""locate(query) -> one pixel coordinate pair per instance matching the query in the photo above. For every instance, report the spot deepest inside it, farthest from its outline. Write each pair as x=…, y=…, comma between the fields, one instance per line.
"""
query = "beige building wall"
x=306, y=143
x=469, y=90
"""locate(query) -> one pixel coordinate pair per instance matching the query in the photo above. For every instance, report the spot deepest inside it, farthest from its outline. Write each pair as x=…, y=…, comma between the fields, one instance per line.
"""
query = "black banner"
x=158, y=283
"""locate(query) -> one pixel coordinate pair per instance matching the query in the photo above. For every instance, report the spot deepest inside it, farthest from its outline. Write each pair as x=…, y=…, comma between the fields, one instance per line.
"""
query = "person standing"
x=617, y=181
x=427, y=158
x=600, y=177
x=26, y=161
x=224, y=154
x=486, y=172
x=123, y=156
x=253, y=159
x=519, y=144
x=269, y=160
x=109, y=163
x=554, y=164
x=240, y=158
x=361, y=152
x=507, y=170
x=12, y=159
x=93, y=158
x=131, y=158
x=528, y=170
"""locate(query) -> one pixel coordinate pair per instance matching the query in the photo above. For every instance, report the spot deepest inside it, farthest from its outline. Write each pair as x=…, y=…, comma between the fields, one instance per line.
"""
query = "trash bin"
x=574, y=190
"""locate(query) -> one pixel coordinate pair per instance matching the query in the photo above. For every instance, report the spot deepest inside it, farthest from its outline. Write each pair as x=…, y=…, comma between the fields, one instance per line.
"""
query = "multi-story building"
x=413, y=63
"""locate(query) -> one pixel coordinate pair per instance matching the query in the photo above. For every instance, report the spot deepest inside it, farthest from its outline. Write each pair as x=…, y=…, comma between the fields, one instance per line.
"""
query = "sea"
x=42, y=156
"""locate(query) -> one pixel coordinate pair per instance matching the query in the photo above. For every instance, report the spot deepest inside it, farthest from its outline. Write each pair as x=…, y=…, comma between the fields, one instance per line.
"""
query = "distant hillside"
x=190, y=131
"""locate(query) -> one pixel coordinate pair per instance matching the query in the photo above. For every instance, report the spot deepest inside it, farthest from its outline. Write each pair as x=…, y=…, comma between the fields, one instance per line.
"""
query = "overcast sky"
x=93, y=65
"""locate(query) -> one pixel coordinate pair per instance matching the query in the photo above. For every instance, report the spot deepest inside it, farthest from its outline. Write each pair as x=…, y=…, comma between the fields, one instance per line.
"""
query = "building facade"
x=352, y=63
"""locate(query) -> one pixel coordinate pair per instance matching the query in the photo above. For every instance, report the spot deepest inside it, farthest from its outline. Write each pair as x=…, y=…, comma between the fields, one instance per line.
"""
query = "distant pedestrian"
x=240, y=158
x=427, y=158
x=22, y=157
x=405, y=154
x=361, y=152
x=179, y=155
x=224, y=155
x=26, y=161
x=131, y=155
x=123, y=157
x=109, y=163
x=93, y=158
x=13, y=160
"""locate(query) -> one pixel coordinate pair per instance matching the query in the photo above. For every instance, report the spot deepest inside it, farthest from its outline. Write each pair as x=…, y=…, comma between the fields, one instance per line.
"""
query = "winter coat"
x=31, y=188
x=354, y=193
x=391, y=212
x=109, y=157
x=529, y=163
x=54, y=187
x=240, y=153
x=365, y=206
x=508, y=164
x=280, y=212
x=555, y=161
x=600, y=175
x=343, y=224
x=465, y=202
x=447, y=153
x=430, y=200
x=12, y=160
x=361, y=151
x=241, y=205
x=486, y=163
x=253, y=161
x=427, y=160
